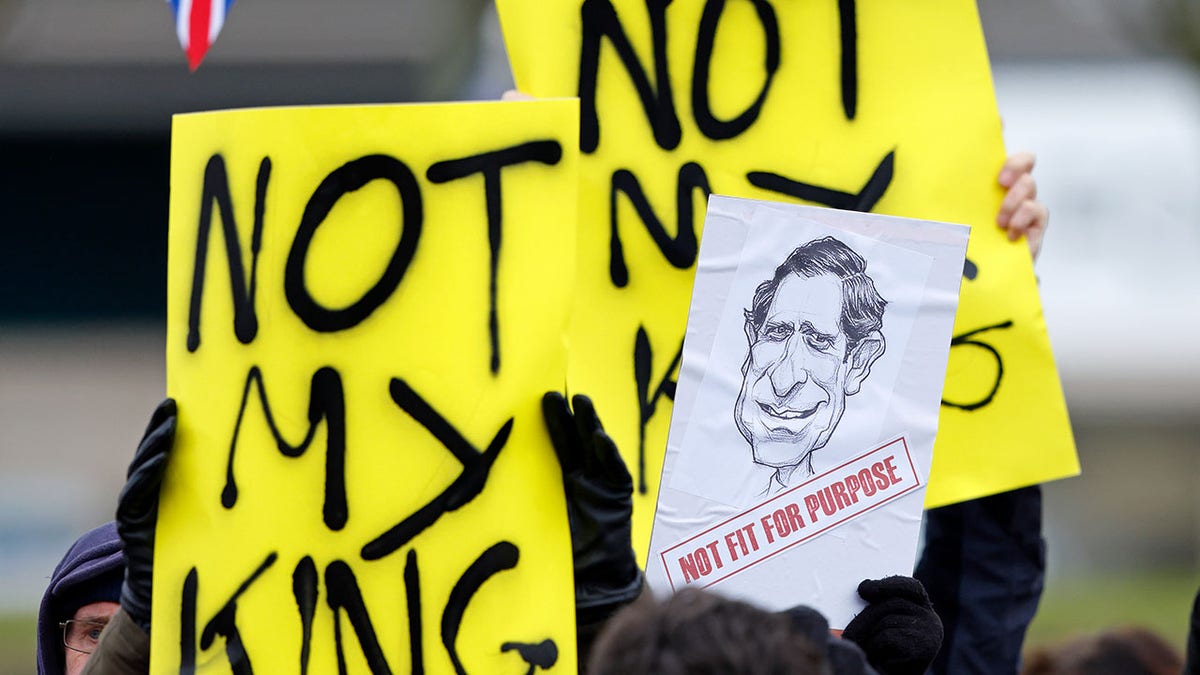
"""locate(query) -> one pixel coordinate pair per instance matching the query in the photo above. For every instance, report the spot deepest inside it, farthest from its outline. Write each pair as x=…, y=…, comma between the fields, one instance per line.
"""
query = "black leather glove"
x=599, y=495
x=898, y=630
x=137, y=512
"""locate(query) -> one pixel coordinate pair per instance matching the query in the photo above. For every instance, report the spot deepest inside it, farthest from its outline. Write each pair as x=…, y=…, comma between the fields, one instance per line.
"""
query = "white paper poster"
x=807, y=403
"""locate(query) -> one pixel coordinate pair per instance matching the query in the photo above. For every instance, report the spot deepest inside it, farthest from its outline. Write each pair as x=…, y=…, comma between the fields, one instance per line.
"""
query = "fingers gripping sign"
x=1021, y=214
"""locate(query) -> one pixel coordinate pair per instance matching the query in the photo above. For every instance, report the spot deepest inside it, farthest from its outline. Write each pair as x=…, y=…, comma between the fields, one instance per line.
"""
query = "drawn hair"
x=862, y=306
x=696, y=631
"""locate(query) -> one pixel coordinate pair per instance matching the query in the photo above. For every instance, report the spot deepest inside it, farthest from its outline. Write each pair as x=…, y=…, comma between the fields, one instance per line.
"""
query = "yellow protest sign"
x=365, y=307
x=866, y=105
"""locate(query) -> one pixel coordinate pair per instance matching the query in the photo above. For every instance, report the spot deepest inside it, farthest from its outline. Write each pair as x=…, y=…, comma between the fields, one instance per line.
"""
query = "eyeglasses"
x=82, y=636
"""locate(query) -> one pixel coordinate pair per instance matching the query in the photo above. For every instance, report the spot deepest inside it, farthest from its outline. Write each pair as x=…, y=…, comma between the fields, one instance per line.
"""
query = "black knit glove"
x=898, y=630
x=137, y=512
x=599, y=495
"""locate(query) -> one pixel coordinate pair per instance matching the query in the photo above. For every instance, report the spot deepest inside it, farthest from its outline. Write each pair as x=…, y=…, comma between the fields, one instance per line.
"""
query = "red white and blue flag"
x=198, y=22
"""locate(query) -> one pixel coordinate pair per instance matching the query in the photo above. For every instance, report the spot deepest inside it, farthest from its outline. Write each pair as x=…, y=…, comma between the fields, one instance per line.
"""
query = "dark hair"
x=695, y=631
x=1119, y=651
x=862, y=306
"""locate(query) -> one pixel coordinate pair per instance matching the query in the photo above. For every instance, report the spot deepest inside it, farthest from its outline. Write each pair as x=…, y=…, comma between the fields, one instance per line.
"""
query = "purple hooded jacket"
x=91, y=571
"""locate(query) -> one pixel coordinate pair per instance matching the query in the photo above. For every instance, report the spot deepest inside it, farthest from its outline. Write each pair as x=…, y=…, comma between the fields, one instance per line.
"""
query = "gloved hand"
x=137, y=512
x=898, y=630
x=599, y=493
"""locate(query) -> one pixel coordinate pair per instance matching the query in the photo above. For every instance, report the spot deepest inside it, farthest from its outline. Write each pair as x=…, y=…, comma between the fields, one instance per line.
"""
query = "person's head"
x=696, y=631
x=83, y=594
x=1119, y=651
x=814, y=330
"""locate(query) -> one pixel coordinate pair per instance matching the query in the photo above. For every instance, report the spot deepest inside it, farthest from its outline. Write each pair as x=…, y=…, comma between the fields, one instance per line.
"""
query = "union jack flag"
x=198, y=22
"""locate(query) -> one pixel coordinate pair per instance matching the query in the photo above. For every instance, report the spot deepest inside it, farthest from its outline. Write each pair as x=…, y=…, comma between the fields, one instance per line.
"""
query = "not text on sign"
x=405, y=470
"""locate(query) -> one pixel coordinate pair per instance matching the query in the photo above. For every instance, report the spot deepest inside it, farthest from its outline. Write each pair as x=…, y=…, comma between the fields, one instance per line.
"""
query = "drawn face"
x=794, y=379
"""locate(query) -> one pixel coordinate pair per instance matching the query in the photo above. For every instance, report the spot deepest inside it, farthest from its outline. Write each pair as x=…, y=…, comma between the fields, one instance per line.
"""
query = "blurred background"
x=1107, y=94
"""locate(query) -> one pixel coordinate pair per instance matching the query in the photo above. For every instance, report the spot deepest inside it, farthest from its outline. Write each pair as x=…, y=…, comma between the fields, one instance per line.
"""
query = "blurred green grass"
x=1160, y=600
x=18, y=643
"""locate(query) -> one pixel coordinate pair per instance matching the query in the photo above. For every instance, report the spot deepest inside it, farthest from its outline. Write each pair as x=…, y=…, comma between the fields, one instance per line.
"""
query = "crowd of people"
x=966, y=609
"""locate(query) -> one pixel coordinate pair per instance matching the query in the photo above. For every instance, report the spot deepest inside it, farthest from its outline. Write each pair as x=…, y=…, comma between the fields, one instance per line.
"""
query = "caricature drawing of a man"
x=814, y=331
